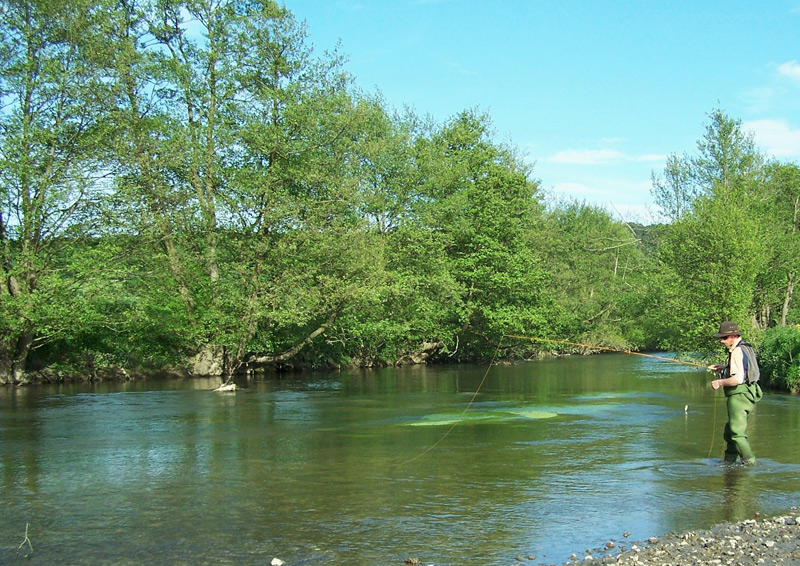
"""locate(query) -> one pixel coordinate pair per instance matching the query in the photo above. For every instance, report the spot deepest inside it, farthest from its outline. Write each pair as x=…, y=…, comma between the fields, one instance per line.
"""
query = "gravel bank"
x=768, y=541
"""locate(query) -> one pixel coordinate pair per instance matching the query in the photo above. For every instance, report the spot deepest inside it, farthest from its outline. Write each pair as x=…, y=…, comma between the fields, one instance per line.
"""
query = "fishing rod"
x=604, y=348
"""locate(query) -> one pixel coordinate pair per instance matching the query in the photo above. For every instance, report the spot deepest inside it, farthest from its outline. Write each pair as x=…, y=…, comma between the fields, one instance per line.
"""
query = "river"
x=372, y=467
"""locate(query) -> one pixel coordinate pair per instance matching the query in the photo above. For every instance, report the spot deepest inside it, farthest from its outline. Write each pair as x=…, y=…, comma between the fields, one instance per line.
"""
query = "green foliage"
x=596, y=269
x=675, y=191
x=779, y=357
x=716, y=254
x=712, y=255
x=480, y=200
x=53, y=139
x=181, y=177
x=726, y=155
x=777, y=205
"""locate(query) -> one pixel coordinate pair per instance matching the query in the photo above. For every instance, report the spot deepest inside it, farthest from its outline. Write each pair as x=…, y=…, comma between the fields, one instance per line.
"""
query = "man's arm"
x=737, y=371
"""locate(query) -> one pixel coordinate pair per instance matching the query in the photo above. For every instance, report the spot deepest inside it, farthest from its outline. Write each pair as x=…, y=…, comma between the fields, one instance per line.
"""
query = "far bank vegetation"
x=217, y=198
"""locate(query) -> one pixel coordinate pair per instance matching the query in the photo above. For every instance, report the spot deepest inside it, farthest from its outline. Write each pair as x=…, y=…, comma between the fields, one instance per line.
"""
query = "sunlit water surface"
x=373, y=467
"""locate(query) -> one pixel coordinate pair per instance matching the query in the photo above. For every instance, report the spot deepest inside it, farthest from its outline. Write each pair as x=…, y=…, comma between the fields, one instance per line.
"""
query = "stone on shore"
x=773, y=541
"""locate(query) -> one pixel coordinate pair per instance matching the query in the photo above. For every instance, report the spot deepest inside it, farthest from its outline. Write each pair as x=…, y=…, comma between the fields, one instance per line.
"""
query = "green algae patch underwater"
x=482, y=417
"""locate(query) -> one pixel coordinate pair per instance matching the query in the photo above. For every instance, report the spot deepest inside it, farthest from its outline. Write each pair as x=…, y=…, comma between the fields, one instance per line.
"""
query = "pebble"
x=773, y=542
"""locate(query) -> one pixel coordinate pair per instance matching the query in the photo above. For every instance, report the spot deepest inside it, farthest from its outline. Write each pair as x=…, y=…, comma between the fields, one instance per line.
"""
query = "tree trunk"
x=256, y=360
x=5, y=363
x=427, y=349
x=14, y=352
x=13, y=359
x=176, y=267
x=21, y=358
x=787, y=299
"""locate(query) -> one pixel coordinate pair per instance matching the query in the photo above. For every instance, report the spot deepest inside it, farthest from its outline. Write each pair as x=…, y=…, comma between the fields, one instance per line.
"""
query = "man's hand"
x=717, y=383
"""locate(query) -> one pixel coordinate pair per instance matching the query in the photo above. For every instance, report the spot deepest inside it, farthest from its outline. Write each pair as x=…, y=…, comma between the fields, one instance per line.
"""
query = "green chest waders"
x=740, y=401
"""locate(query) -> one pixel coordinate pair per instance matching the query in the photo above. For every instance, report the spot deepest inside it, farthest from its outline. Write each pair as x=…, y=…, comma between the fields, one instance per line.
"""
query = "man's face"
x=728, y=341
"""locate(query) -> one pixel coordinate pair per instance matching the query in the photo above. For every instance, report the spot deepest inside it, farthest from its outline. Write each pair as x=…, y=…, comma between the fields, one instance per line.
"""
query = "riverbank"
x=765, y=541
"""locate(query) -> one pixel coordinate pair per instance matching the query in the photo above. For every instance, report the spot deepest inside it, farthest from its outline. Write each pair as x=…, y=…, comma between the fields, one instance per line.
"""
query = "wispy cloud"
x=600, y=189
x=790, y=70
x=578, y=190
x=772, y=97
x=605, y=197
x=761, y=99
x=587, y=156
x=776, y=137
x=600, y=157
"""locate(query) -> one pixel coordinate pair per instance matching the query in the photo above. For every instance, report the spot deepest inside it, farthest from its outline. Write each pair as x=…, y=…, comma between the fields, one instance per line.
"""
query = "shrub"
x=779, y=357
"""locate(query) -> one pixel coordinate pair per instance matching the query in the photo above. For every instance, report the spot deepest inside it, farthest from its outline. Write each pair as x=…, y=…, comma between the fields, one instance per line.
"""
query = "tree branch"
x=293, y=351
x=24, y=541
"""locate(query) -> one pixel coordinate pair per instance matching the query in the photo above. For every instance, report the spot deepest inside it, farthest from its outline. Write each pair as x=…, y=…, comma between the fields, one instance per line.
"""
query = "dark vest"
x=751, y=370
x=750, y=388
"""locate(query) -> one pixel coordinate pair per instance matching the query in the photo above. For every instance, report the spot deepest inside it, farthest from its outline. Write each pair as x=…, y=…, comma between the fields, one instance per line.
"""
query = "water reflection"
x=739, y=496
x=370, y=467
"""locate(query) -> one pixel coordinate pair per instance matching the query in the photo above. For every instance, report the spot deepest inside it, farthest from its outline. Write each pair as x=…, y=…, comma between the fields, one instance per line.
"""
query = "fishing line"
x=677, y=361
x=588, y=346
x=461, y=416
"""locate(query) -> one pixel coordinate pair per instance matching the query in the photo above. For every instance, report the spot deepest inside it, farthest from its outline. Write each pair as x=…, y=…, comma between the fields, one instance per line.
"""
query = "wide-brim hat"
x=727, y=328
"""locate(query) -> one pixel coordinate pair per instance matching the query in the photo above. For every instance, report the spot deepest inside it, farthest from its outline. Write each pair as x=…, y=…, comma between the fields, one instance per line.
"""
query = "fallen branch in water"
x=24, y=541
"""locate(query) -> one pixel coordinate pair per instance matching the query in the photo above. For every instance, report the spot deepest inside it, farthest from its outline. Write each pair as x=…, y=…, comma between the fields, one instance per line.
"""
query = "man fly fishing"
x=739, y=380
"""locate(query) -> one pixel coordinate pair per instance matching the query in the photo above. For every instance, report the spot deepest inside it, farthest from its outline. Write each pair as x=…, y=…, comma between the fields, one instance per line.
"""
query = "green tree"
x=594, y=264
x=292, y=191
x=675, y=191
x=779, y=357
x=712, y=254
x=406, y=318
x=716, y=253
x=778, y=205
x=727, y=155
x=152, y=201
x=481, y=202
x=52, y=135
x=234, y=153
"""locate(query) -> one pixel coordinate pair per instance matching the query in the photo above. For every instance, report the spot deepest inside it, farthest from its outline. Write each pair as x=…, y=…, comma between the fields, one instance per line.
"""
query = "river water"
x=373, y=467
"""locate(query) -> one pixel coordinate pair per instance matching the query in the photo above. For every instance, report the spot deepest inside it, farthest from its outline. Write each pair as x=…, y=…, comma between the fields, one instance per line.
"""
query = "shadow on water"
x=372, y=467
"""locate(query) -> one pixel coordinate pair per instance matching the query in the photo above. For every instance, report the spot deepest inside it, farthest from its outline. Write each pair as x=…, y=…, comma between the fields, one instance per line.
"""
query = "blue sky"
x=595, y=94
